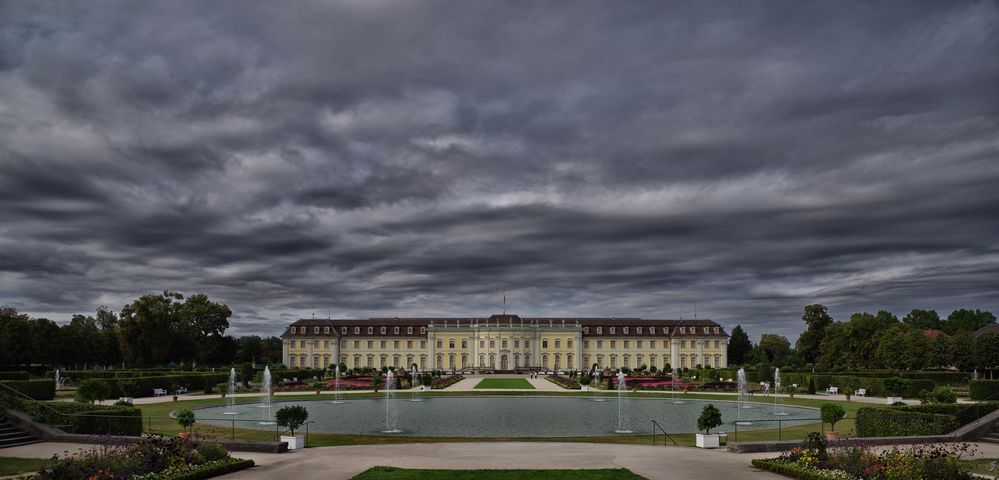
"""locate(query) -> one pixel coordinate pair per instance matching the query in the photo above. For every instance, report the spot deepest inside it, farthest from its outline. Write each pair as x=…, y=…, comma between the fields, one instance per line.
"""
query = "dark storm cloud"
x=418, y=158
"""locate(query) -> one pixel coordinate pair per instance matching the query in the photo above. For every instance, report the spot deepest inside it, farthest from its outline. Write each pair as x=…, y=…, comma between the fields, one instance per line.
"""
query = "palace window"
x=527, y=344
x=395, y=344
x=370, y=344
x=395, y=330
x=638, y=330
x=600, y=344
x=315, y=330
x=464, y=343
x=612, y=329
x=683, y=344
x=326, y=330
x=544, y=344
x=586, y=344
x=450, y=344
x=371, y=330
x=600, y=330
x=409, y=330
x=625, y=330
x=568, y=343
x=423, y=344
x=482, y=344
x=383, y=330
x=292, y=358
x=357, y=344
x=558, y=343
x=409, y=344
x=639, y=343
x=326, y=344
x=315, y=344
x=381, y=344
x=440, y=344
x=516, y=344
x=626, y=344
x=716, y=344
x=503, y=344
x=613, y=343
x=492, y=344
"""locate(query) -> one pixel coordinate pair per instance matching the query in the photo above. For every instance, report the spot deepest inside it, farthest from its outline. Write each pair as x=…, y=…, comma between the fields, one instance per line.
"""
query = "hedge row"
x=984, y=389
x=794, y=470
x=890, y=422
x=301, y=374
x=964, y=412
x=37, y=389
x=443, y=382
x=14, y=376
x=80, y=417
x=144, y=386
x=207, y=470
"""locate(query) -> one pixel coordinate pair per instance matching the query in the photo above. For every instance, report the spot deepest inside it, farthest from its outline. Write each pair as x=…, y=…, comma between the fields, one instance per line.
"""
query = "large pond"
x=484, y=416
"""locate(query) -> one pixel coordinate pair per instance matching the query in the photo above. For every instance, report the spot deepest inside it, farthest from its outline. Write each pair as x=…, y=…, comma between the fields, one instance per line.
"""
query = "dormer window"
x=586, y=330
x=638, y=330
x=716, y=330
x=292, y=329
x=371, y=330
x=652, y=330
x=600, y=330
x=395, y=330
x=315, y=330
x=612, y=329
x=423, y=330
x=625, y=329
x=383, y=330
x=683, y=329
x=706, y=330
x=357, y=330
x=326, y=330
x=409, y=330
x=343, y=330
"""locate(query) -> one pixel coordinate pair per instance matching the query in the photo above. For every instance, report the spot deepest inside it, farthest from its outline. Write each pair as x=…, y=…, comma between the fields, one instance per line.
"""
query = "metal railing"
x=796, y=422
x=666, y=436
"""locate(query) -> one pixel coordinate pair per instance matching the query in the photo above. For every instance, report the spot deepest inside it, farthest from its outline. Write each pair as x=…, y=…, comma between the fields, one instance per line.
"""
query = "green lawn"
x=984, y=466
x=509, y=383
x=391, y=473
x=14, y=466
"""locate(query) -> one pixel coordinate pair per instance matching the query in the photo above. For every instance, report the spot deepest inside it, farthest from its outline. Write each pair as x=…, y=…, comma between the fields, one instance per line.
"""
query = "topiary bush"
x=292, y=417
x=185, y=418
x=710, y=418
x=831, y=413
x=984, y=389
x=92, y=390
x=895, y=422
x=36, y=389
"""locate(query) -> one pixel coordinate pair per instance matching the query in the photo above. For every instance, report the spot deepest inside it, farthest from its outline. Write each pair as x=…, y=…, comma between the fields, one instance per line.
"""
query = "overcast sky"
x=419, y=158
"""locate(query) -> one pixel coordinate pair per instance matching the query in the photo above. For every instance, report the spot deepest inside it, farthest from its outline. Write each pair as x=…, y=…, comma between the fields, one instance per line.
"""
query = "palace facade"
x=505, y=343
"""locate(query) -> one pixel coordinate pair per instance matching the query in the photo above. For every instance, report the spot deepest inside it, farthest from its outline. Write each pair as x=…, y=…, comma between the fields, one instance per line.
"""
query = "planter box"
x=892, y=400
x=128, y=400
x=707, y=441
x=294, y=443
x=424, y=388
x=584, y=388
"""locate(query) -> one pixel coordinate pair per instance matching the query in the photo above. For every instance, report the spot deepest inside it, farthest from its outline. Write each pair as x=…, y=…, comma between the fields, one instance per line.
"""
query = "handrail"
x=655, y=425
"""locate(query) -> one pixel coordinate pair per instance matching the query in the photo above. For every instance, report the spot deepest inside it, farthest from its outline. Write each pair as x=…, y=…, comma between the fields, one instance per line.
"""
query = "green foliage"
x=739, y=346
x=585, y=380
x=986, y=350
x=831, y=413
x=898, y=422
x=896, y=386
x=92, y=389
x=157, y=328
x=938, y=395
x=37, y=389
x=967, y=320
x=185, y=418
x=292, y=417
x=246, y=373
x=80, y=417
x=922, y=319
x=964, y=413
x=710, y=418
x=984, y=389
x=811, y=385
x=14, y=376
x=855, y=343
x=817, y=319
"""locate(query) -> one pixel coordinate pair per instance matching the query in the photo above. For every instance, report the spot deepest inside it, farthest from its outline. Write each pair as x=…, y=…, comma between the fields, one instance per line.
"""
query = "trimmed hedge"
x=793, y=470
x=965, y=413
x=984, y=389
x=37, y=389
x=890, y=422
x=210, y=470
x=14, y=376
x=144, y=386
x=123, y=421
x=301, y=374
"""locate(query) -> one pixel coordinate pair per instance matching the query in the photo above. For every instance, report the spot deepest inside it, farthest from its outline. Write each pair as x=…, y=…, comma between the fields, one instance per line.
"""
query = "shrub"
x=831, y=413
x=246, y=373
x=36, y=389
x=585, y=380
x=185, y=418
x=964, y=413
x=984, y=389
x=895, y=422
x=80, y=417
x=91, y=390
x=710, y=418
x=938, y=395
x=292, y=417
x=811, y=385
x=896, y=386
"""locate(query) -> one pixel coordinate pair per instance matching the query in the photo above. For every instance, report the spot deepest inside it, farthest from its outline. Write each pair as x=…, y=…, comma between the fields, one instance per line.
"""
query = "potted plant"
x=291, y=418
x=710, y=418
x=832, y=413
x=186, y=419
x=584, y=382
x=894, y=388
x=847, y=391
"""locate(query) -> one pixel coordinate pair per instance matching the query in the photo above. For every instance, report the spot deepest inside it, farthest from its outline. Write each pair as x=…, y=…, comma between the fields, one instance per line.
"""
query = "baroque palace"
x=505, y=343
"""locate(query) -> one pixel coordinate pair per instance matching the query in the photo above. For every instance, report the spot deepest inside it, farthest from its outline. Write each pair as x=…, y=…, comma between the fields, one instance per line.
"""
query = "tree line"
x=919, y=340
x=152, y=330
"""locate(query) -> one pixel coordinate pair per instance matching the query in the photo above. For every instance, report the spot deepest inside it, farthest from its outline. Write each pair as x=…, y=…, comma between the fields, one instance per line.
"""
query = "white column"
x=284, y=352
x=700, y=353
x=431, y=346
x=724, y=354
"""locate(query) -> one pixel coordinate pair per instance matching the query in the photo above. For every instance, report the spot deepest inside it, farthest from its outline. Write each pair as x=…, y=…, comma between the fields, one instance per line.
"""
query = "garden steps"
x=11, y=436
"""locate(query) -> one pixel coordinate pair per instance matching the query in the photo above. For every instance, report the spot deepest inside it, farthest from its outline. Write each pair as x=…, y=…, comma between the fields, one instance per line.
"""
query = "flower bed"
x=444, y=382
x=564, y=382
x=151, y=458
x=815, y=462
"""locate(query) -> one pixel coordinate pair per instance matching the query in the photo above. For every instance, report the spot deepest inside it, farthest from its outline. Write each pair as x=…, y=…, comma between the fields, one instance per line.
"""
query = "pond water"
x=495, y=416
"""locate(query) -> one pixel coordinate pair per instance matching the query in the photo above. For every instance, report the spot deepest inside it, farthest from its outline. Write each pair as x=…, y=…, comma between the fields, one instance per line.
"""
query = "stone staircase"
x=991, y=437
x=11, y=436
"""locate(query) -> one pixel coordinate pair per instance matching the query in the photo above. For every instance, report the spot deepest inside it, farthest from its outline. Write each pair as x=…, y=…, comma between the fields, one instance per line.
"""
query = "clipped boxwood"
x=890, y=422
x=80, y=417
x=965, y=413
x=793, y=470
x=984, y=389
x=37, y=389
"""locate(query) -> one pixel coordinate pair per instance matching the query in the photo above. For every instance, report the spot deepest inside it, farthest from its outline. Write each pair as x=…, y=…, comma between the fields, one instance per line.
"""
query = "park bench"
x=832, y=390
x=159, y=392
x=861, y=392
x=181, y=390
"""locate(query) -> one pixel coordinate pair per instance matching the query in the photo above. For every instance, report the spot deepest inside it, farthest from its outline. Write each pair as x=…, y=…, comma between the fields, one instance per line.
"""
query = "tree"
x=292, y=417
x=107, y=320
x=776, y=348
x=246, y=373
x=939, y=353
x=202, y=322
x=186, y=419
x=91, y=390
x=986, y=349
x=16, y=343
x=963, y=354
x=892, y=348
x=831, y=413
x=148, y=328
x=710, y=418
x=816, y=319
x=739, y=346
x=922, y=319
x=967, y=320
